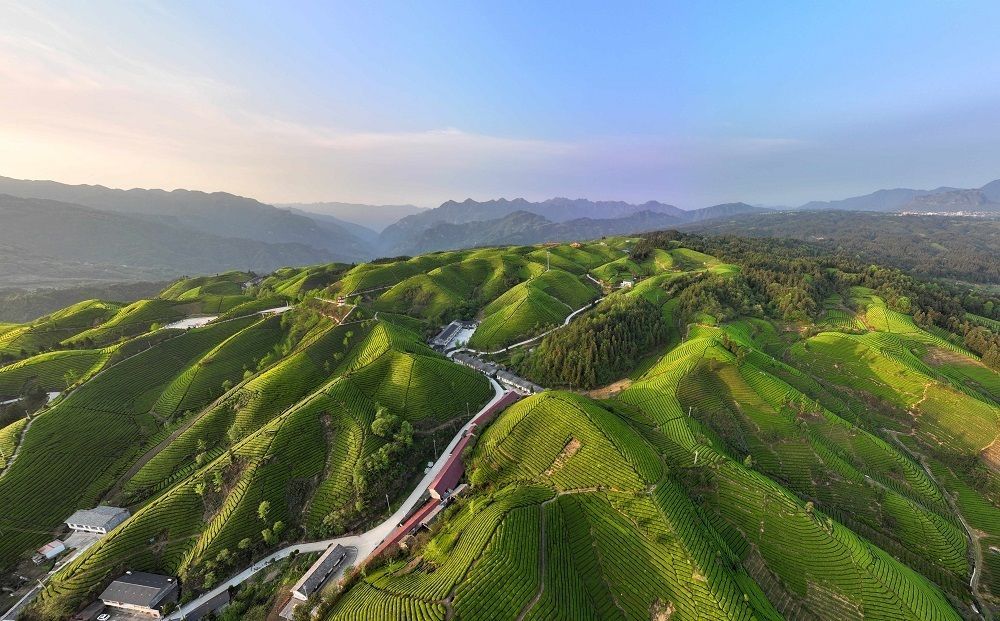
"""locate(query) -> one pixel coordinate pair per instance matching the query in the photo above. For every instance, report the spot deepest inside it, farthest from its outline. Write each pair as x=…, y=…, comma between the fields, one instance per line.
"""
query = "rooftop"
x=98, y=515
x=316, y=575
x=138, y=588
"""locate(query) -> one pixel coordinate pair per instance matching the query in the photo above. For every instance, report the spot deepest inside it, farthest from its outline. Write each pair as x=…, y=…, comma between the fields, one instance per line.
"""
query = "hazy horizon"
x=395, y=104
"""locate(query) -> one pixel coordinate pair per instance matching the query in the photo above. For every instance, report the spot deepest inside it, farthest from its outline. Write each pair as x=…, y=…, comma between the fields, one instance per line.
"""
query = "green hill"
x=754, y=430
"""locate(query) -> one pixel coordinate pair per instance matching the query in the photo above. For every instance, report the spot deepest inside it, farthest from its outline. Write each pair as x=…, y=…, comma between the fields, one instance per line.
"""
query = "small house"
x=49, y=551
x=141, y=592
x=99, y=520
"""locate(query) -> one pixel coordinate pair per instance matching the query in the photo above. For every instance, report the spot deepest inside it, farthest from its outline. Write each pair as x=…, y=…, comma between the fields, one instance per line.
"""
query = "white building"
x=97, y=520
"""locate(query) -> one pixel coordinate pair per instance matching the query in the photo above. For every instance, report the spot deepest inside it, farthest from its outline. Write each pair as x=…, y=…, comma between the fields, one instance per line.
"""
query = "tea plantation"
x=807, y=438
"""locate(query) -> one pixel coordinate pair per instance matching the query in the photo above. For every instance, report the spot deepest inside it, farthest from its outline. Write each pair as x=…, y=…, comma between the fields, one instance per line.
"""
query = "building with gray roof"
x=97, y=520
x=319, y=572
x=141, y=592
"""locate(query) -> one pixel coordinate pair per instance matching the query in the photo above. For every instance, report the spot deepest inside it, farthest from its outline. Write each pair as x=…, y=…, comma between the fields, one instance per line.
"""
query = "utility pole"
x=548, y=263
x=389, y=507
x=434, y=440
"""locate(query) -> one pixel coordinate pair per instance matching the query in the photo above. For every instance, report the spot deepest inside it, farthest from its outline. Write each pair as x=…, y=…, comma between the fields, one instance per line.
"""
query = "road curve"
x=365, y=542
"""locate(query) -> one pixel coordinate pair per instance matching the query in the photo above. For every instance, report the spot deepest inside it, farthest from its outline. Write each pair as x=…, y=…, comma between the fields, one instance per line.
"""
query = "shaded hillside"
x=933, y=246
x=375, y=217
x=216, y=213
x=467, y=224
x=139, y=247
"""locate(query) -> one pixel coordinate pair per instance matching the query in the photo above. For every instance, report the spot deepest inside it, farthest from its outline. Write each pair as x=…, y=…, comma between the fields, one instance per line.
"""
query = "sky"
x=773, y=103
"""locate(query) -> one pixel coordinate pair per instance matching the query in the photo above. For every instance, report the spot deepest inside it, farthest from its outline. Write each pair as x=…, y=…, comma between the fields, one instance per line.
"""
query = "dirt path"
x=612, y=389
x=542, y=557
x=973, y=534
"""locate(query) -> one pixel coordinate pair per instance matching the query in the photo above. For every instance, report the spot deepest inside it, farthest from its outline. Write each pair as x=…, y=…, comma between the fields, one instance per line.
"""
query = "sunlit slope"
x=531, y=307
x=59, y=470
x=945, y=397
x=573, y=518
x=48, y=331
x=723, y=483
x=291, y=282
x=249, y=405
x=52, y=372
x=302, y=461
x=228, y=284
x=795, y=448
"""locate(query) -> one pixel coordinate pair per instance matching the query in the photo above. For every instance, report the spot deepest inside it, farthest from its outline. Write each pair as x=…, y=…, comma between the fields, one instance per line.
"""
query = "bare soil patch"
x=568, y=451
x=606, y=392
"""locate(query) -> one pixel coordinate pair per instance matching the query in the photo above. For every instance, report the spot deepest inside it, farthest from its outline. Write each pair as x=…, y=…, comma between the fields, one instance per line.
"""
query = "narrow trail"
x=542, y=559
x=537, y=337
x=972, y=533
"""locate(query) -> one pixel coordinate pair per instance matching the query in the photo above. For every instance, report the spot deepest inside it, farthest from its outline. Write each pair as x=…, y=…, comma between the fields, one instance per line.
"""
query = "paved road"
x=15, y=610
x=365, y=542
x=568, y=319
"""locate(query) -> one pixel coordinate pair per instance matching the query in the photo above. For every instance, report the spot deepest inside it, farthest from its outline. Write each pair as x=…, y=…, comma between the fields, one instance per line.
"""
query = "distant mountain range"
x=54, y=234
x=505, y=221
x=218, y=213
x=373, y=217
x=49, y=242
x=941, y=200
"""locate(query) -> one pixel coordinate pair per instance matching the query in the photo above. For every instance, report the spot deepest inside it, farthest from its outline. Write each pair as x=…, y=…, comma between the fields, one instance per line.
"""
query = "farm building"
x=490, y=413
x=319, y=572
x=90, y=613
x=475, y=363
x=453, y=333
x=452, y=472
x=213, y=605
x=518, y=383
x=409, y=526
x=627, y=284
x=49, y=551
x=97, y=520
x=140, y=592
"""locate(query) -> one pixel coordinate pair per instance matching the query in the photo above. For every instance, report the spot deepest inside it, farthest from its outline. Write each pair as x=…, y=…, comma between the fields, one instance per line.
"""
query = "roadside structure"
x=99, y=520
x=49, y=551
x=140, y=592
x=317, y=575
x=518, y=383
x=453, y=469
x=453, y=334
x=90, y=613
x=475, y=363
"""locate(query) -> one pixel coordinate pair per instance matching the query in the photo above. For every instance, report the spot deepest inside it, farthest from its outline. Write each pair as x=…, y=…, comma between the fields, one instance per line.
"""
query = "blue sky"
x=689, y=103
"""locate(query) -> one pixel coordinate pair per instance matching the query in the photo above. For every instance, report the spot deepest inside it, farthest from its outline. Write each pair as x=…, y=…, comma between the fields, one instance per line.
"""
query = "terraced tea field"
x=793, y=448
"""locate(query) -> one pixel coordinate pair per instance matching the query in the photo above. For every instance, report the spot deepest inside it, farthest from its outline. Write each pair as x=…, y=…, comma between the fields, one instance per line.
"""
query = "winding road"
x=365, y=542
x=565, y=322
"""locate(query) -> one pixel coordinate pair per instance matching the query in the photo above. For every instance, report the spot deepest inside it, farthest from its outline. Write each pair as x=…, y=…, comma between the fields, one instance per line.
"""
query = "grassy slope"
x=685, y=495
x=310, y=447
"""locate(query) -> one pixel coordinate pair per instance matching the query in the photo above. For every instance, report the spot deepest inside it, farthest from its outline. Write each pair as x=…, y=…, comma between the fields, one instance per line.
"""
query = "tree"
x=262, y=510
